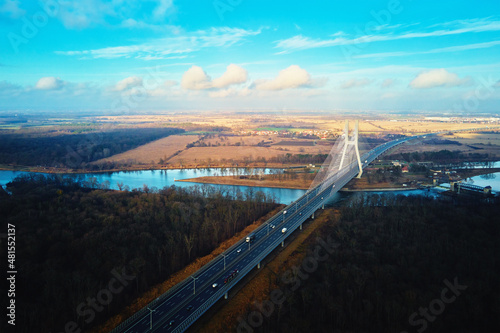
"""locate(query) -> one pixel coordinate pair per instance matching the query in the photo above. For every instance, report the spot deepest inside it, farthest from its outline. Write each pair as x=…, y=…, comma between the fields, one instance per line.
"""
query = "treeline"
x=437, y=156
x=436, y=141
x=75, y=151
x=390, y=257
x=280, y=158
x=298, y=158
x=70, y=239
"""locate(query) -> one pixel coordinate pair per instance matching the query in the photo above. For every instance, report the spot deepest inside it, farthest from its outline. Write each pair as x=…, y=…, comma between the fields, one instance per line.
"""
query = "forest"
x=74, y=151
x=398, y=264
x=70, y=239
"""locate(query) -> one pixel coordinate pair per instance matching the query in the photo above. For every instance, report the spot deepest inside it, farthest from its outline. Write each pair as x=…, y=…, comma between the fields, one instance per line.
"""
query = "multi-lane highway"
x=177, y=309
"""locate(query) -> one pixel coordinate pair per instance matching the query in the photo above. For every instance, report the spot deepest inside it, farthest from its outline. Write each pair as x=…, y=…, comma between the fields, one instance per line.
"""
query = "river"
x=162, y=178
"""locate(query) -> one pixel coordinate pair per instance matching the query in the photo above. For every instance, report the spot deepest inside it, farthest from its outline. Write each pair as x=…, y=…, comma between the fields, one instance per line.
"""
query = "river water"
x=162, y=178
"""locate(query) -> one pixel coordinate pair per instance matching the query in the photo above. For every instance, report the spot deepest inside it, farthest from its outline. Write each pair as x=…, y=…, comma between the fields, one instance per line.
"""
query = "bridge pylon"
x=353, y=141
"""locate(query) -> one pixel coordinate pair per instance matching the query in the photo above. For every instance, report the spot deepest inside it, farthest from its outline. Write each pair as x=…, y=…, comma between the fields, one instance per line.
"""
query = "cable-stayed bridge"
x=182, y=305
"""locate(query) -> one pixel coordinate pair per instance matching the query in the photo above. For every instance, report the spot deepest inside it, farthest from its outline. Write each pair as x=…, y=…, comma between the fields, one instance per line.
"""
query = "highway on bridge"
x=183, y=304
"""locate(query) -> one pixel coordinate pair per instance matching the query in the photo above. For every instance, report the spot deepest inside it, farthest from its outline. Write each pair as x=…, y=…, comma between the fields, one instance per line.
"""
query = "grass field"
x=152, y=152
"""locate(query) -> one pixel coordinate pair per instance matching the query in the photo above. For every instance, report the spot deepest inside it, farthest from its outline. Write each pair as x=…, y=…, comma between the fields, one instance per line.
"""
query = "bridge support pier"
x=300, y=226
x=312, y=216
x=258, y=265
x=283, y=244
x=225, y=296
x=323, y=207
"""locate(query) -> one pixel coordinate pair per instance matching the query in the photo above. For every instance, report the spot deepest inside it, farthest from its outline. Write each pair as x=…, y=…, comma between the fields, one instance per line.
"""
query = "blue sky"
x=132, y=56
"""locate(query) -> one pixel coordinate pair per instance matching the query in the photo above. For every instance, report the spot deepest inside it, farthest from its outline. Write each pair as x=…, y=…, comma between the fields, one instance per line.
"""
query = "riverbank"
x=356, y=186
x=265, y=181
x=24, y=168
x=382, y=189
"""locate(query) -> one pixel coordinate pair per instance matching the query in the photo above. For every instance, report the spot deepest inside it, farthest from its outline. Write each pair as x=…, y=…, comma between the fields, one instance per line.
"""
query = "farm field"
x=482, y=143
x=152, y=152
x=256, y=139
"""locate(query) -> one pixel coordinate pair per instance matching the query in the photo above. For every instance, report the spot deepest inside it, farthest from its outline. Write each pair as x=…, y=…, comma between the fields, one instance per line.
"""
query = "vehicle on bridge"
x=231, y=276
x=250, y=238
x=283, y=230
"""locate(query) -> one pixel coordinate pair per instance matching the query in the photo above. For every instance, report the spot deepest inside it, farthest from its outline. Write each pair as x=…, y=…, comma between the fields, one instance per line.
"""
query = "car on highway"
x=250, y=238
x=272, y=226
x=189, y=307
x=214, y=285
x=171, y=323
x=283, y=230
x=238, y=251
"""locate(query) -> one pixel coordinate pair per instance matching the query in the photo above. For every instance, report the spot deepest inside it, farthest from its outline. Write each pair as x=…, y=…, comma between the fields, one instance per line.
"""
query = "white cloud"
x=437, y=78
x=195, y=78
x=300, y=42
x=129, y=82
x=164, y=48
x=291, y=77
x=355, y=83
x=234, y=74
x=11, y=9
x=222, y=93
x=49, y=83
